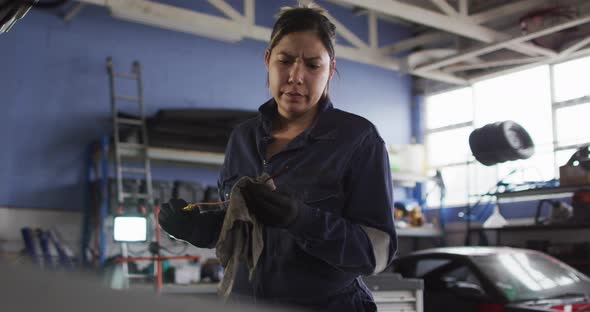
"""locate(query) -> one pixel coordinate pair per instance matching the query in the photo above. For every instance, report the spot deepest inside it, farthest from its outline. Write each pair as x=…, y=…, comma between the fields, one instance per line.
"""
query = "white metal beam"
x=464, y=7
x=490, y=64
x=440, y=76
x=445, y=7
x=226, y=9
x=455, y=25
x=575, y=47
x=347, y=34
x=175, y=18
x=507, y=9
x=185, y=20
x=548, y=60
x=407, y=44
x=426, y=17
x=75, y=10
x=373, y=35
x=95, y=2
x=249, y=14
x=504, y=44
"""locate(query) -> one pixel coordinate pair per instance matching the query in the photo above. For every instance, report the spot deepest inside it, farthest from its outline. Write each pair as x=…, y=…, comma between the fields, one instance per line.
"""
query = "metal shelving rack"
x=411, y=180
x=101, y=156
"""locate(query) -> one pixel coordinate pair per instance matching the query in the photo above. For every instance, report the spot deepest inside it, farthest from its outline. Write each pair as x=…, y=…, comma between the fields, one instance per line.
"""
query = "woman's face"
x=299, y=68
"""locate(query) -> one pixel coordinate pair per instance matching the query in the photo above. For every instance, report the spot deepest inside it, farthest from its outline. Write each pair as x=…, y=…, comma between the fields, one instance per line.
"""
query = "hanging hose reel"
x=500, y=142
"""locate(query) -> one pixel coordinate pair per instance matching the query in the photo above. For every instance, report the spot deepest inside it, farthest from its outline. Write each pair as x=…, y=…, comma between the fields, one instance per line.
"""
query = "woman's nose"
x=296, y=74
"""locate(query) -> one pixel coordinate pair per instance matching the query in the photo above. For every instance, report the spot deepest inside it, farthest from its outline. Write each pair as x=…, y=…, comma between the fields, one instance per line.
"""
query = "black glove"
x=199, y=229
x=270, y=207
x=174, y=220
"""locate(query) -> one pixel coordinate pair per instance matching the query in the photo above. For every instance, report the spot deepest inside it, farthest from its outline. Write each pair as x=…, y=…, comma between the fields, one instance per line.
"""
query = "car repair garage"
x=284, y=155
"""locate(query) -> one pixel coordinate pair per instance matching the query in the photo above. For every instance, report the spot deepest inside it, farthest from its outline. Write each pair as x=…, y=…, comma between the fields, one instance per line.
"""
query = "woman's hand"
x=175, y=221
x=270, y=207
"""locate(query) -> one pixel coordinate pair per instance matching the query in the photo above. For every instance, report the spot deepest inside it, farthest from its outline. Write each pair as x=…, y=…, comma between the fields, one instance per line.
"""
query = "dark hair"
x=304, y=18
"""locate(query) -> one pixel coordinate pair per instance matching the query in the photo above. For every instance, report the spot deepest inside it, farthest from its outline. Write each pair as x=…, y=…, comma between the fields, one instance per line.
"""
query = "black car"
x=494, y=279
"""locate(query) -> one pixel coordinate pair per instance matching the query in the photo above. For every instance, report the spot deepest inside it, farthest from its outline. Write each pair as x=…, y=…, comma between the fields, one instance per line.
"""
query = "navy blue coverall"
x=339, y=170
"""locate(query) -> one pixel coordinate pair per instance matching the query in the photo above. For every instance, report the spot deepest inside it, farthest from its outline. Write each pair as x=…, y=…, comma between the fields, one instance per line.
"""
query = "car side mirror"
x=467, y=290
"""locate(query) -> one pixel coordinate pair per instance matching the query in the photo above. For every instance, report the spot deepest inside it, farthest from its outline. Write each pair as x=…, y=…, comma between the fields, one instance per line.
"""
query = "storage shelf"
x=216, y=159
x=542, y=191
x=419, y=232
x=178, y=155
x=532, y=227
x=200, y=288
x=409, y=177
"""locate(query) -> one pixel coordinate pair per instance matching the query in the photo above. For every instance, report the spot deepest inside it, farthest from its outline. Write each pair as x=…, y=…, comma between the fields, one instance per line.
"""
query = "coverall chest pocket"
x=327, y=199
x=323, y=196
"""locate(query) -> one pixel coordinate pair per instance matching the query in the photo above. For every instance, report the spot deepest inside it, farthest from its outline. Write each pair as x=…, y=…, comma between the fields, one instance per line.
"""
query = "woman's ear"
x=266, y=58
x=332, y=68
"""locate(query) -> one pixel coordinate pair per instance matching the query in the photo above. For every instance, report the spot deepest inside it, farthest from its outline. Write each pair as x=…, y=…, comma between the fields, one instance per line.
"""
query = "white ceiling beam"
x=185, y=20
x=249, y=14
x=455, y=25
x=95, y=2
x=445, y=7
x=175, y=18
x=226, y=9
x=366, y=57
x=548, y=60
x=427, y=17
x=490, y=64
x=464, y=7
x=74, y=11
x=575, y=47
x=393, y=64
x=347, y=34
x=504, y=44
x=373, y=34
x=410, y=43
x=507, y=9
x=260, y=33
x=440, y=76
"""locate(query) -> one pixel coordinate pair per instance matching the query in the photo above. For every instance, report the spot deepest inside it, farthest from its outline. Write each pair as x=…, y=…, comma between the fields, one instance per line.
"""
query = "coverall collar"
x=320, y=129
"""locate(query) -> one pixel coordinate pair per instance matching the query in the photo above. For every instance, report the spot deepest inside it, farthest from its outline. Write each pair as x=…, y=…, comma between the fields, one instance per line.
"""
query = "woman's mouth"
x=293, y=95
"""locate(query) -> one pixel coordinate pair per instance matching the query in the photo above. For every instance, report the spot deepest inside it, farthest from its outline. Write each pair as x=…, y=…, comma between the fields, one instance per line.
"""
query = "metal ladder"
x=136, y=151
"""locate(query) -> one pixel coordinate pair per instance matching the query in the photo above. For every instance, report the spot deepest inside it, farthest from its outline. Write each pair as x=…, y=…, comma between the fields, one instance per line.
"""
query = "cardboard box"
x=573, y=175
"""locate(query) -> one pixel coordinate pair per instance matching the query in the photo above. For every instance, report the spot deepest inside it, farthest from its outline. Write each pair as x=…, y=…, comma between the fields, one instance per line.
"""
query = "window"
x=557, y=127
x=571, y=79
x=449, y=147
x=428, y=265
x=449, y=121
x=572, y=123
x=449, y=108
x=462, y=274
x=571, y=107
x=530, y=106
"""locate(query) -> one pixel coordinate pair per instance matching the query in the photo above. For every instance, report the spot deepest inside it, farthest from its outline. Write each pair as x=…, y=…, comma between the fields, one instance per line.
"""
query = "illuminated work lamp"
x=130, y=229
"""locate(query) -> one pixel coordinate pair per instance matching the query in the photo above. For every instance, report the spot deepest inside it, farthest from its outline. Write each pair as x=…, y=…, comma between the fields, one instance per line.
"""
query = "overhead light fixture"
x=178, y=19
x=130, y=229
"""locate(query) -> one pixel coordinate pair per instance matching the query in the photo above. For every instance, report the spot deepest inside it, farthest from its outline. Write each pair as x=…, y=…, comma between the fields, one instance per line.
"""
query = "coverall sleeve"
x=363, y=240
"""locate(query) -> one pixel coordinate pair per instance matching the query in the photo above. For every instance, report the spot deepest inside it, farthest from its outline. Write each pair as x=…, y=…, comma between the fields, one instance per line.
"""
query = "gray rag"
x=241, y=236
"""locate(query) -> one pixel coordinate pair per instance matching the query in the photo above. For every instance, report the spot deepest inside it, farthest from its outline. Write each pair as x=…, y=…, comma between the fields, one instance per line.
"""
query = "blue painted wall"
x=55, y=96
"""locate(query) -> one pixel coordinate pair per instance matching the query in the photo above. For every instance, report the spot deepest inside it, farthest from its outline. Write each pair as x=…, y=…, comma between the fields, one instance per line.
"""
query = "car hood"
x=571, y=304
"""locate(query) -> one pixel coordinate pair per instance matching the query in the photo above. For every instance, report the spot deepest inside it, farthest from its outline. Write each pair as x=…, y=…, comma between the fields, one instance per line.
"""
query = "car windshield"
x=524, y=276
